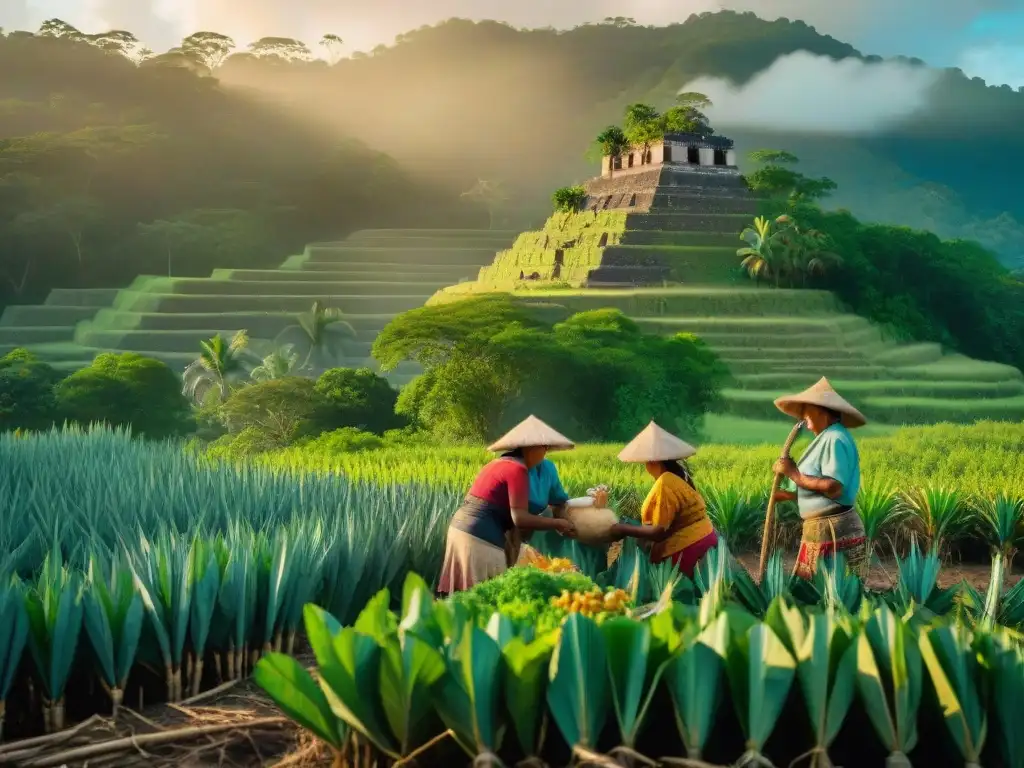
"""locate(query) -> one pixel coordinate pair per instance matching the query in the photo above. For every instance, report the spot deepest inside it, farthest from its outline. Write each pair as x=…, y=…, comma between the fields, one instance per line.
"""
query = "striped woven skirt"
x=825, y=535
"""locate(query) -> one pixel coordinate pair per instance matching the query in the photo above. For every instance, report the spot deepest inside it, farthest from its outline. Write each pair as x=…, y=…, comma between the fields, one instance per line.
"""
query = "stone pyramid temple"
x=668, y=212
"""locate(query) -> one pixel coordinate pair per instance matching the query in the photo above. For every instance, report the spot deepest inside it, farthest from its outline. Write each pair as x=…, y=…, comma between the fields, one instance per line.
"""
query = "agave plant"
x=889, y=679
x=918, y=585
x=1001, y=518
x=941, y=513
x=54, y=606
x=113, y=621
x=824, y=646
x=219, y=365
x=13, y=635
x=878, y=507
x=321, y=332
x=736, y=516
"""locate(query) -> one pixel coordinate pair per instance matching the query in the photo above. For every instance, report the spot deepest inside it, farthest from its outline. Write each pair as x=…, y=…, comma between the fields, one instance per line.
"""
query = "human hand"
x=565, y=528
x=785, y=467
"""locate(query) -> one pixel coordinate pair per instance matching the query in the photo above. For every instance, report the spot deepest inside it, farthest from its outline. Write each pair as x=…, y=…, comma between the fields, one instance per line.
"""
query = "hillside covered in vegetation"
x=110, y=169
x=538, y=97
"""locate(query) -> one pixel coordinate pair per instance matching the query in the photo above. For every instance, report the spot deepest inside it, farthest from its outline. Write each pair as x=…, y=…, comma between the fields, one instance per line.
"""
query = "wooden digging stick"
x=769, y=517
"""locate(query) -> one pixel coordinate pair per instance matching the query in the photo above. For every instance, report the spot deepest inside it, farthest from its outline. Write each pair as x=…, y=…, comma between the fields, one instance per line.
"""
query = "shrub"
x=126, y=390
x=27, y=400
x=345, y=440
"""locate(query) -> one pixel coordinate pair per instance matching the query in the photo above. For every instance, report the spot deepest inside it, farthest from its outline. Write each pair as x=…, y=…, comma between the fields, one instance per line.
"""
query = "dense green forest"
x=539, y=96
x=116, y=161
x=109, y=170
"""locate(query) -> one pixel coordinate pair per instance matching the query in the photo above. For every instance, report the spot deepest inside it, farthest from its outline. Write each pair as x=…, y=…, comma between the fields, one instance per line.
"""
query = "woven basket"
x=593, y=524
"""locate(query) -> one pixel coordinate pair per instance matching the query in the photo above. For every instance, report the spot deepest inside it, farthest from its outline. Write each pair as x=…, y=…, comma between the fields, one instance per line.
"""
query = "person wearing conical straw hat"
x=497, y=507
x=674, y=516
x=824, y=483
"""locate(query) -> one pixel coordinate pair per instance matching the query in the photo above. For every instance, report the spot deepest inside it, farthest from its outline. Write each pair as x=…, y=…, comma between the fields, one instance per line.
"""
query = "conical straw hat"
x=531, y=432
x=821, y=394
x=655, y=444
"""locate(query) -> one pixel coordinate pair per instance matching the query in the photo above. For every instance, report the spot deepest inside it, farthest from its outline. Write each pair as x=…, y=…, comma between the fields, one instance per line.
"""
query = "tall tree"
x=60, y=29
x=332, y=44
x=284, y=48
x=642, y=125
x=208, y=48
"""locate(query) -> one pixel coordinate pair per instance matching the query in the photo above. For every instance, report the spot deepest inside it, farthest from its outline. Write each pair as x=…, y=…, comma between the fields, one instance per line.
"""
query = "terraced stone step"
x=419, y=242
x=694, y=301
x=655, y=237
x=774, y=355
x=828, y=324
x=860, y=388
x=258, y=324
x=724, y=223
x=667, y=201
x=433, y=256
x=42, y=335
x=755, y=404
x=958, y=368
x=795, y=341
x=362, y=235
x=189, y=341
x=210, y=287
x=81, y=297
x=175, y=303
x=400, y=273
x=39, y=315
x=910, y=354
x=833, y=370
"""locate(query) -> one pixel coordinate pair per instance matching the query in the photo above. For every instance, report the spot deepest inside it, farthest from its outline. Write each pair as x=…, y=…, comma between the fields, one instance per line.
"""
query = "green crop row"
x=683, y=683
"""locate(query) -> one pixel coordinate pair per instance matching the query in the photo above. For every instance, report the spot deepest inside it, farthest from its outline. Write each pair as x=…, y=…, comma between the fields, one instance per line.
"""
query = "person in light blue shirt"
x=546, y=488
x=825, y=482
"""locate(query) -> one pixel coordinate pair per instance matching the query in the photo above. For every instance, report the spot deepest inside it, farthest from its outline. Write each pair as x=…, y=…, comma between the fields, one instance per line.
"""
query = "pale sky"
x=983, y=37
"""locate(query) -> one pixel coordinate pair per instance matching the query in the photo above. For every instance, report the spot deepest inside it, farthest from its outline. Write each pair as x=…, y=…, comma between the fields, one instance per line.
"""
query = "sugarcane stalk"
x=769, y=517
x=116, y=699
x=57, y=715
x=218, y=668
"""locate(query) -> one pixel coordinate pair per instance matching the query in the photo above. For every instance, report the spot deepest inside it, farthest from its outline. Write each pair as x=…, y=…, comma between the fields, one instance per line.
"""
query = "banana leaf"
x=955, y=673
x=760, y=672
x=467, y=697
x=525, y=685
x=889, y=681
x=293, y=689
x=578, y=689
x=350, y=673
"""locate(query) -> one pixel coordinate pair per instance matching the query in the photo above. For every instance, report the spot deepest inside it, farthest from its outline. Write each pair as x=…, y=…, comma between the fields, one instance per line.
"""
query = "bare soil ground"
x=233, y=726
x=884, y=575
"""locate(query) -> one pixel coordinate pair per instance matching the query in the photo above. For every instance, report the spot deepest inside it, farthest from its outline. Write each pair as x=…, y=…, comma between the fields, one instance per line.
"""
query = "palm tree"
x=760, y=259
x=322, y=332
x=278, y=364
x=219, y=364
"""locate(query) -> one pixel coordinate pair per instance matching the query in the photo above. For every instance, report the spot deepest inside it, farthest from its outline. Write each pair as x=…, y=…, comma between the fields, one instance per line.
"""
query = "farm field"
x=372, y=276
x=211, y=564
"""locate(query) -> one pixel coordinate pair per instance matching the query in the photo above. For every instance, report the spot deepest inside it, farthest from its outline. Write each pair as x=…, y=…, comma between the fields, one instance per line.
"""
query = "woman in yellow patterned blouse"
x=674, y=514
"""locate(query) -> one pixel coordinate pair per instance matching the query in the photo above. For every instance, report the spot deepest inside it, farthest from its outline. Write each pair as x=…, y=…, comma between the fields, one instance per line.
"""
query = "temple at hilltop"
x=670, y=175
x=667, y=212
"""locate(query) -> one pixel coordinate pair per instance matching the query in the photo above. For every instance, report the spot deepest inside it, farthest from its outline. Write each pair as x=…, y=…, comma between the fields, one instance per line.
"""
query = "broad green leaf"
x=350, y=671
x=628, y=644
x=955, y=672
x=694, y=680
x=525, y=679
x=409, y=667
x=13, y=631
x=578, y=690
x=293, y=689
x=760, y=671
x=826, y=668
x=467, y=695
x=1008, y=702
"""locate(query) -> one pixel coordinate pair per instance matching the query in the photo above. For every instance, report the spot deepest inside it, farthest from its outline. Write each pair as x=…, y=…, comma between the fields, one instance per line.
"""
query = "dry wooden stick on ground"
x=147, y=740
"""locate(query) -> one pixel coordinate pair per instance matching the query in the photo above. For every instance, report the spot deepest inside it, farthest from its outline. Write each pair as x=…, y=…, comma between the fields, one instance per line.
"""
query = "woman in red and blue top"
x=482, y=531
